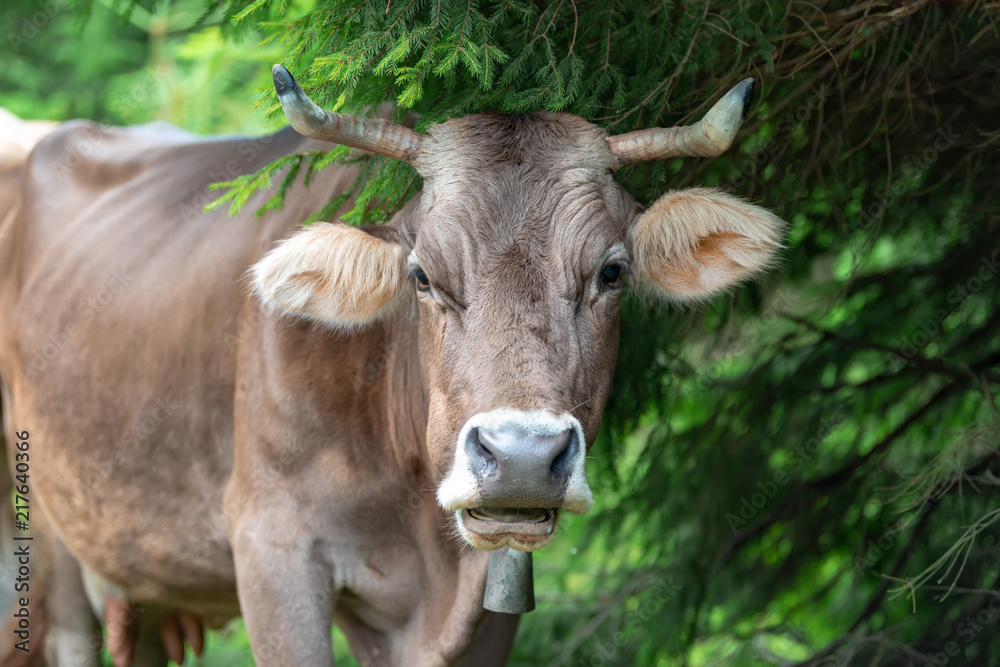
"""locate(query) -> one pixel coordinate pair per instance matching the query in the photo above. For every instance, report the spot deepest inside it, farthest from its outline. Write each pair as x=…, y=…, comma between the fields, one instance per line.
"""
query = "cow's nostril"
x=480, y=452
x=562, y=465
x=483, y=449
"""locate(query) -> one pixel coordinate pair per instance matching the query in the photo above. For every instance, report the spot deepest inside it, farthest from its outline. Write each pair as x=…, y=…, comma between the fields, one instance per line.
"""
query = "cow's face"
x=516, y=253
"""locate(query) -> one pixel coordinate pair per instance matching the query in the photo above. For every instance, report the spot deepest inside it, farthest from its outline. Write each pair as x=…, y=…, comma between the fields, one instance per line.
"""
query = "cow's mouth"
x=521, y=528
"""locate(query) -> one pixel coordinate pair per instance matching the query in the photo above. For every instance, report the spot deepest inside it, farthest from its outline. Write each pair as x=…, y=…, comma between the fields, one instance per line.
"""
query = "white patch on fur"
x=460, y=489
x=693, y=243
x=333, y=273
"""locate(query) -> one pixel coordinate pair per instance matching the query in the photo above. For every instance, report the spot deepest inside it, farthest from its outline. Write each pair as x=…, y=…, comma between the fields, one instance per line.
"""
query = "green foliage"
x=41, y=44
x=448, y=58
x=150, y=65
x=805, y=472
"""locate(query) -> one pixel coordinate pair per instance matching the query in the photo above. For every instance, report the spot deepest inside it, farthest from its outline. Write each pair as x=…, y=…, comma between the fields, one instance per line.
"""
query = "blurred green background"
x=802, y=472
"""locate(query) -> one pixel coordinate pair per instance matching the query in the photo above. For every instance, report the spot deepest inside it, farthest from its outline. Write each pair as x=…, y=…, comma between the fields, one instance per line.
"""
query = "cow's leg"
x=74, y=636
x=283, y=593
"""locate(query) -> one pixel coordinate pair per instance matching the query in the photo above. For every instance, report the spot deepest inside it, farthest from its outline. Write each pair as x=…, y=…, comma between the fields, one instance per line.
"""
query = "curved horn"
x=710, y=136
x=370, y=134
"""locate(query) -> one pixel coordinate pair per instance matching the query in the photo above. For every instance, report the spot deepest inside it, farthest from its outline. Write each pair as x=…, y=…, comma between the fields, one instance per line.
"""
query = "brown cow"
x=304, y=426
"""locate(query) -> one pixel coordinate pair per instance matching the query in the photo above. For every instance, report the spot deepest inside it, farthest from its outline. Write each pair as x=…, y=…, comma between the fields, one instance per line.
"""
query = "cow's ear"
x=693, y=243
x=333, y=273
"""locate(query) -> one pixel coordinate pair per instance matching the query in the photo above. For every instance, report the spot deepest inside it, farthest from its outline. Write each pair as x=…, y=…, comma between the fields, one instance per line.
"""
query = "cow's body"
x=134, y=472
x=228, y=416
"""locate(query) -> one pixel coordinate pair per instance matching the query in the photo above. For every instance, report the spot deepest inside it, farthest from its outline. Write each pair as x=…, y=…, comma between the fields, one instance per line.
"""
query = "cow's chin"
x=523, y=529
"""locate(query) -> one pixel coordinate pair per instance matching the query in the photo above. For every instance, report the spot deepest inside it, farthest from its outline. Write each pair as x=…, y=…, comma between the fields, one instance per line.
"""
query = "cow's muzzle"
x=514, y=471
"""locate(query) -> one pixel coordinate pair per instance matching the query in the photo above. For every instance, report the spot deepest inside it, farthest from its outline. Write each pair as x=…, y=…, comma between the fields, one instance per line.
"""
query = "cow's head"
x=517, y=251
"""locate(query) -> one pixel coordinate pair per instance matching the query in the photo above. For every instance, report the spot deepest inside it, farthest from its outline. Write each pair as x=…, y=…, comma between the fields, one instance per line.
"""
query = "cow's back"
x=121, y=307
x=17, y=138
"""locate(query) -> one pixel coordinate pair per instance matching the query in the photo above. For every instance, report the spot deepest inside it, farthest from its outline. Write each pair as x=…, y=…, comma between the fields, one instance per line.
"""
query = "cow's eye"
x=422, y=283
x=612, y=275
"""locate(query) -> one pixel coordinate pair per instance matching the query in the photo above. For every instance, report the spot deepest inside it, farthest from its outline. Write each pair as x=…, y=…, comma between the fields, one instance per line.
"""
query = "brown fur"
x=211, y=455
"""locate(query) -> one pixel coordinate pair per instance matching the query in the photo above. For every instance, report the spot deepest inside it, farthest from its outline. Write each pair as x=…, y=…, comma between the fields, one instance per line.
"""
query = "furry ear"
x=333, y=273
x=693, y=243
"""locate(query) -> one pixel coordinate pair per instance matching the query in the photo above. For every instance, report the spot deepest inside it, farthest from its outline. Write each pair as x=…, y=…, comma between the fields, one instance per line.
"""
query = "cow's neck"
x=330, y=448
x=391, y=365
x=357, y=393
